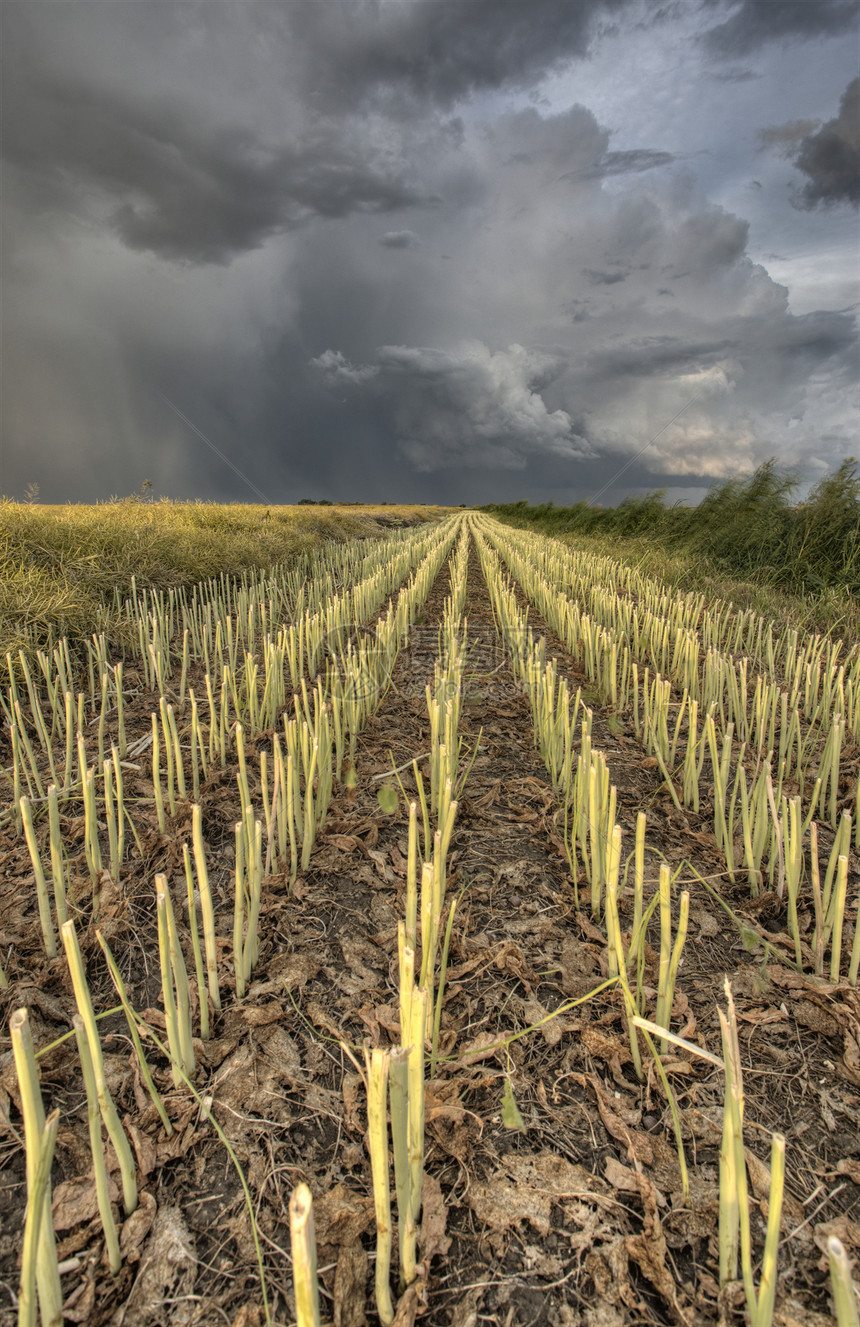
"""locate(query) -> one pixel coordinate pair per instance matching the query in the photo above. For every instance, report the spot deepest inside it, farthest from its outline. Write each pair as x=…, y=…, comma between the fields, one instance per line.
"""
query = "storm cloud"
x=438, y=52
x=370, y=249
x=755, y=23
x=466, y=406
x=831, y=157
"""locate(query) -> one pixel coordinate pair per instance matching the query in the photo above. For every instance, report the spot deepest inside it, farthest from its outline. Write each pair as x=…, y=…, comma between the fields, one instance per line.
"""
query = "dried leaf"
x=850, y=1168
x=144, y=1147
x=136, y=1227
x=79, y=1306
x=648, y=1251
x=410, y=1304
x=75, y=1201
x=612, y=1113
x=168, y=1267
x=352, y=1097
x=341, y=1216
x=434, y=1218
x=535, y=1013
x=482, y=1047
x=350, y=1286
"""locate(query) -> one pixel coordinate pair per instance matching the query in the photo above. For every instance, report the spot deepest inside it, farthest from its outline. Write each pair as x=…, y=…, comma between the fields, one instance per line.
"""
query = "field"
x=465, y=811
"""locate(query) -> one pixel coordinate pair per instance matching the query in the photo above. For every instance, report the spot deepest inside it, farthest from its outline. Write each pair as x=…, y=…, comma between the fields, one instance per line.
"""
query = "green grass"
x=746, y=542
x=60, y=565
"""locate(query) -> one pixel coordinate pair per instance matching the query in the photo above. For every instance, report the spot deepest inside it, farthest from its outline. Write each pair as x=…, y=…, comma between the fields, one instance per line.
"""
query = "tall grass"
x=746, y=536
x=59, y=565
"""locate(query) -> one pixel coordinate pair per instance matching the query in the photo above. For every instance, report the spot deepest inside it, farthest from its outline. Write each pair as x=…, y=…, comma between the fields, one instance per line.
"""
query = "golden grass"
x=60, y=564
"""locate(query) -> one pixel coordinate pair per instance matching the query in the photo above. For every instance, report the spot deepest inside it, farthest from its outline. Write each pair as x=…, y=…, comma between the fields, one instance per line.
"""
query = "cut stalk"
x=202, y=1000
x=36, y=1217
x=841, y=1284
x=416, y=1100
x=97, y=1146
x=206, y=908
x=109, y=1114
x=377, y=1062
x=399, y=1095
x=47, y=1272
x=304, y=1249
x=43, y=899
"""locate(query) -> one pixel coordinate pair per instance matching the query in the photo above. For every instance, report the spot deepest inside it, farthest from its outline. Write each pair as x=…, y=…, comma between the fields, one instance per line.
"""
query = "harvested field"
x=569, y=1163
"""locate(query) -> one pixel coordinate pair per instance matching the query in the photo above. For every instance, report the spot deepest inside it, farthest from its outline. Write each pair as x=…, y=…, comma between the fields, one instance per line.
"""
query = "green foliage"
x=745, y=526
x=511, y=1117
x=388, y=799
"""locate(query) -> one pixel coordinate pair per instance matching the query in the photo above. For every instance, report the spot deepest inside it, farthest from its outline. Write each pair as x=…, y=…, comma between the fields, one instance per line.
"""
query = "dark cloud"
x=713, y=239
x=755, y=23
x=603, y=278
x=831, y=157
x=785, y=138
x=438, y=50
x=276, y=155
x=734, y=75
x=643, y=357
x=181, y=188
x=632, y=162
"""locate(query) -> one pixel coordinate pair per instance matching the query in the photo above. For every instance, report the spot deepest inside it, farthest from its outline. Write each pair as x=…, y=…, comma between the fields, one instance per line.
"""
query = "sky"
x=427, y=250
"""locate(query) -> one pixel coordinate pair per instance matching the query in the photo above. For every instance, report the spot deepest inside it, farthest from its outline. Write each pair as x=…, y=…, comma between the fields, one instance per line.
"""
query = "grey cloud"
x=336, y=369
x=470, y=406
x=632, y=162
x=399, y=239
x=831, y=157
x=509, y=346
x=658, y=354
x=712, y=239
x=733, y=75
x=603, y=278
x=786, y=138
x=438, y=51
x=184, y=190
x=173, y=172
x=757, y=22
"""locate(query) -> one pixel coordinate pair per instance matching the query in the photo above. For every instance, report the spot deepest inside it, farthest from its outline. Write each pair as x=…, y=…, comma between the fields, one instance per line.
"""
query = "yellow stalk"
x=304, y=1249
x=377, y=1062
x=109, y=1115
x=47, y=1273
x=97, y=1146
x=36, y=1217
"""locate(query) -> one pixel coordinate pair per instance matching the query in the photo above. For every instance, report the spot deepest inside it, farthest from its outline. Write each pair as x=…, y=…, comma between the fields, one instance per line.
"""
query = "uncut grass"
x=287, y=1096
x=746, y=542
x=60, y=565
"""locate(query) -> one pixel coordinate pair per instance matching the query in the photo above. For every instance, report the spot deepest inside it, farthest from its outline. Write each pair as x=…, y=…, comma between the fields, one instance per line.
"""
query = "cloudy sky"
x=440, y=250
